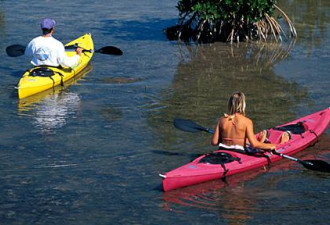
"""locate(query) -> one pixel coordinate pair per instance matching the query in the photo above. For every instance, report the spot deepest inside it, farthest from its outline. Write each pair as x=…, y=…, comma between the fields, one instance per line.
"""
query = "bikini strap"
x=231, y=118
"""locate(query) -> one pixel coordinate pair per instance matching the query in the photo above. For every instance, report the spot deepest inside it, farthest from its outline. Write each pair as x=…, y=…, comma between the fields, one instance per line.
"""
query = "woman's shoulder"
x=246, y=120
x=224, y=117
x=240, y=117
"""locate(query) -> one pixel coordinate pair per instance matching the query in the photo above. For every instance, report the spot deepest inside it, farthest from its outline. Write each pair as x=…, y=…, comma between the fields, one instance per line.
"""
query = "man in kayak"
x=46, y=50
x=235, y=131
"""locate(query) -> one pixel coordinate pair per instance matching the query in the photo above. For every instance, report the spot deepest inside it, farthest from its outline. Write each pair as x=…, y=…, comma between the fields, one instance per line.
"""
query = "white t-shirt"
x=49, y=51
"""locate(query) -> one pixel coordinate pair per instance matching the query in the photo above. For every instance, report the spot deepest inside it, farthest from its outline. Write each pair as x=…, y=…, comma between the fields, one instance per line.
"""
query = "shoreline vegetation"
x=207, y=21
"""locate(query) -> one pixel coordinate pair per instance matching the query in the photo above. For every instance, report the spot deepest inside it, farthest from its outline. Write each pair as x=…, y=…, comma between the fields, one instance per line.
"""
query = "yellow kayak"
x=38, y=79
x=33, y=101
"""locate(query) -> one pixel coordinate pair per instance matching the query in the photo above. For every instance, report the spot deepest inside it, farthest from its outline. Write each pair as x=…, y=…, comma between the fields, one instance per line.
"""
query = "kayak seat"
x=41, y=72
x=296, y=128
x=219, y=158
x=46, y=72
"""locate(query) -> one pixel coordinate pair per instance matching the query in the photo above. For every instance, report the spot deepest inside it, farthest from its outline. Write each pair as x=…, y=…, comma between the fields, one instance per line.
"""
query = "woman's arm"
x=252, y=139
x=217, y=135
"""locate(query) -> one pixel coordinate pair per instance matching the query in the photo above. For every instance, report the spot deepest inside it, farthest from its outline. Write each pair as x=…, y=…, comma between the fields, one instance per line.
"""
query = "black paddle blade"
x=189, y=126
x=317, y=165
x=15, y=50
x=110, y=50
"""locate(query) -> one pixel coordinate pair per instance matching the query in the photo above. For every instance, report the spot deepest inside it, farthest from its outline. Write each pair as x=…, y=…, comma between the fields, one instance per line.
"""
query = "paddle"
x=108, y=50
x=15, y=50
x=190, y=126
x=18, y=50
x=317, y=165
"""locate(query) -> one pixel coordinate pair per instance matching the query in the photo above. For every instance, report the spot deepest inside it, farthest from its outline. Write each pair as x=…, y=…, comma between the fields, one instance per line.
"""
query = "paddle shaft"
x=316, y=165
x=289, y=157
x=18, y=50
x=110, y=50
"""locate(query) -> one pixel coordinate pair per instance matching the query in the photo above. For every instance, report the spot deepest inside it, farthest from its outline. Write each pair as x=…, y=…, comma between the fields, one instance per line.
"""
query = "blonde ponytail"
x=236, y=103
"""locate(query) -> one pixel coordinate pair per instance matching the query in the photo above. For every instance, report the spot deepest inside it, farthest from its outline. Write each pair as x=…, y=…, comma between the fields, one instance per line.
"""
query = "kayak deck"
x=198, y=171
x=32, y=83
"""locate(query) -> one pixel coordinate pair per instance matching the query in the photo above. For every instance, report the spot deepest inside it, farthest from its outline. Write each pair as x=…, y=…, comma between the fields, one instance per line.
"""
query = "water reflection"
x=311, y=19
x=235, y=199
x=251, y=56
x=51, y=109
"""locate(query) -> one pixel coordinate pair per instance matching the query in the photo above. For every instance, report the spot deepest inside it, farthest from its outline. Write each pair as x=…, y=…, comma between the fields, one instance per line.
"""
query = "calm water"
x=90, y=153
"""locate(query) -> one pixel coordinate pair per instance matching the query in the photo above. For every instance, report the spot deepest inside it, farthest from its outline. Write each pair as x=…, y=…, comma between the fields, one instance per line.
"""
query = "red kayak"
x=304, y=133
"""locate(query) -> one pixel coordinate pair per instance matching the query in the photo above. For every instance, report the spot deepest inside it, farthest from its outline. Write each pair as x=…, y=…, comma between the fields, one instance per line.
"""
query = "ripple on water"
x=258, y=194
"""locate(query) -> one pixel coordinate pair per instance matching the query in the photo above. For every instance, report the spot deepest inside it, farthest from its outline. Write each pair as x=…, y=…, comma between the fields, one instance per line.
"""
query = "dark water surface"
x=91, y=153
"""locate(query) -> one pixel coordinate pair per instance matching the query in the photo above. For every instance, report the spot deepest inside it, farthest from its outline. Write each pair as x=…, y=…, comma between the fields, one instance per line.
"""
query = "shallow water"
x=90, y=153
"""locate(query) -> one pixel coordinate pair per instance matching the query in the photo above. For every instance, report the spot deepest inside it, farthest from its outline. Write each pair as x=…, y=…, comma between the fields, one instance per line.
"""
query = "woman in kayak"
x=46, y=50
x=235, y=131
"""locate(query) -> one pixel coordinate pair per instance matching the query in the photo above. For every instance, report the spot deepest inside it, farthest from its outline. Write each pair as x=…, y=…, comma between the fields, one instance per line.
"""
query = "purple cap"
x=47, y=23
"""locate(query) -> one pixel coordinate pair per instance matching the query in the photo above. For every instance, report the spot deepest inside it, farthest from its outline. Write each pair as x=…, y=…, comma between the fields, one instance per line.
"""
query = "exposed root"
x=234, y=30
x=292, y=28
